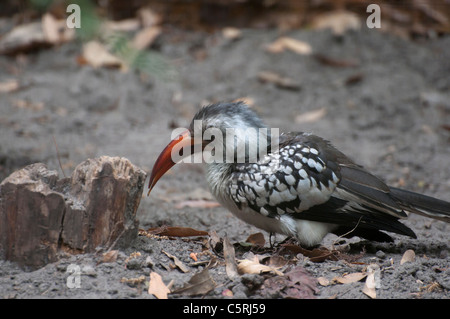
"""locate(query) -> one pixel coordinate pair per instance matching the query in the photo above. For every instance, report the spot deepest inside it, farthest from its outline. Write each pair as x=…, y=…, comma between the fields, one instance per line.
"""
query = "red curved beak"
x=165, y=159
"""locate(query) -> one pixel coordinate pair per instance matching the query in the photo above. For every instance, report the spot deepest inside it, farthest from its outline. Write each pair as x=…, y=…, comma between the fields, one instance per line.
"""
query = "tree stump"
x=41, y=215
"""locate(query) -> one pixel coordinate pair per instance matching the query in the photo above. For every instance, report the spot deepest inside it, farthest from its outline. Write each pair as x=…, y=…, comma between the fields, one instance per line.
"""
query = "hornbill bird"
x=296, y=183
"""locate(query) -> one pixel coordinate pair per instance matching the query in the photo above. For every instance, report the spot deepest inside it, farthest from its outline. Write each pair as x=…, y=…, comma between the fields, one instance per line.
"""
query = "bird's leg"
x=271, y=239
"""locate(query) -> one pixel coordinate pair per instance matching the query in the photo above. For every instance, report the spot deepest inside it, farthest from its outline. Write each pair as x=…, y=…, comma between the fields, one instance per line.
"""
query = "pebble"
x=134, y=263
x=380, y=254
x=89, y=270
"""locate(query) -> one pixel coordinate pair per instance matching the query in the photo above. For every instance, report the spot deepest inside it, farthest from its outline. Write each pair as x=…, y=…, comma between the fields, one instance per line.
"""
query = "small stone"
x=408, y=256
x=134, y=264
x=149, y=262
x=89, y=270
x=380, y=254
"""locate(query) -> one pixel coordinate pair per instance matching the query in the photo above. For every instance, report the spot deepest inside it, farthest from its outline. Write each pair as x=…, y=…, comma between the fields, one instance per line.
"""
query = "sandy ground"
x=386, y=104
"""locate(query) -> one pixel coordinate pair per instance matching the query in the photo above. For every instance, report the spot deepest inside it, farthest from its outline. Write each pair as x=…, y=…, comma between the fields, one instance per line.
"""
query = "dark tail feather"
x=422, y=204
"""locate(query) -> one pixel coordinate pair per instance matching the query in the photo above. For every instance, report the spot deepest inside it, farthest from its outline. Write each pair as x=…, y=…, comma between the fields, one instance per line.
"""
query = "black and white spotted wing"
x=304, y=179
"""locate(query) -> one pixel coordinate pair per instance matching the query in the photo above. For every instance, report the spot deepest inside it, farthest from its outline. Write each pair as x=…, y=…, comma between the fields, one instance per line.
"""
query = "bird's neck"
x=243, y=145
x=238, y=147
x=217, y=175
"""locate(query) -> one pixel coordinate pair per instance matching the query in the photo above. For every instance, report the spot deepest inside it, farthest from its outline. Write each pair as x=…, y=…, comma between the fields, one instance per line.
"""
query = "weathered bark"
x=31, y=215
x=41, y=215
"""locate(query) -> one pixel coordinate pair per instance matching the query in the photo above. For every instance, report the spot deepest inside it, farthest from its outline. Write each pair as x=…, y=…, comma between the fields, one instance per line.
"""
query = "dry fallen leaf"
x=177, y=262
x=26, y=37
x=319, y=254
x=311, y=116
x=148, y=17
x=145, y=37
x=297, y=46
x=286, y=43
x=251, y=265
x=369, y=287
x=23, y=38
x=121, y=25
x=96, y=55
x=296, y=284
x=157, y=287
x=298, y=275
x=199, y=284
x=215, y=242
x=9, y=86
x=175, y=231
x=56, y=31
x=110, y=256
x=323, y=281
x=230, y=259
x=350, y=278
x=338, y=21
x=50, y=27
x=279, y=80
x=231, y=33
x=277, y=261
x=256, y=239
x=408, y=256
x=371, y=283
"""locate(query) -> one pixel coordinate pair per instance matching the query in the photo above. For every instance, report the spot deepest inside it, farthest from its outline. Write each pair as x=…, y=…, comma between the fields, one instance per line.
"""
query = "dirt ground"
x=382, y=100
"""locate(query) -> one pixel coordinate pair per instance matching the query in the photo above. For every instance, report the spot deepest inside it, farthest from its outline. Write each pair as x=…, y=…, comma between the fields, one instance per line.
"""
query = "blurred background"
x=413, y=17
x=120, y=76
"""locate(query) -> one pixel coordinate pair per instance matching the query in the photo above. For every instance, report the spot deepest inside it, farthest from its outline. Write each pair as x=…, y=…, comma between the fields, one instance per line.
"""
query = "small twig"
x=347, y=233
x=59, y=158
x=117, y=239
